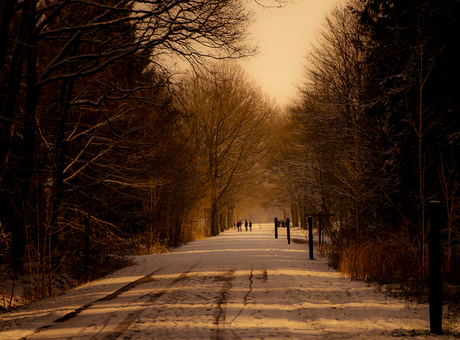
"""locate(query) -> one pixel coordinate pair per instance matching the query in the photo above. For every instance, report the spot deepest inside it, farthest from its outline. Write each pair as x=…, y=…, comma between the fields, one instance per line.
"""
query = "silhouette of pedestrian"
x=246, y=224
x=250, y=225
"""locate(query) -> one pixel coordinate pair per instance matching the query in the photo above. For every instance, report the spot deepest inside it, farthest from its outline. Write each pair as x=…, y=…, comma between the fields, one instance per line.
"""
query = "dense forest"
x=374, y=138
x=106, y=151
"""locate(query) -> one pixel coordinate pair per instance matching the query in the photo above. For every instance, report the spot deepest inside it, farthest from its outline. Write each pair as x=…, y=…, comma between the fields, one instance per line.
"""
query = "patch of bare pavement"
x=238, y=285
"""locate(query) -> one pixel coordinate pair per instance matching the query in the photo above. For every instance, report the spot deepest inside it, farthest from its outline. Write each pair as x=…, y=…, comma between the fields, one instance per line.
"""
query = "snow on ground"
x=238, y=285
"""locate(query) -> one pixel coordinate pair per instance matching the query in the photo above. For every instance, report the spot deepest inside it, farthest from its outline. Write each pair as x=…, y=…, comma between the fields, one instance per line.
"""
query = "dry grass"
x=382, y=263
x=299, y=240
x=396, y=268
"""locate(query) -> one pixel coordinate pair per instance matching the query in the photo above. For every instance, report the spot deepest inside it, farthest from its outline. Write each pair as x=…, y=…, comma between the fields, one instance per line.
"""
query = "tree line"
x=374, y=136
x=103, y=147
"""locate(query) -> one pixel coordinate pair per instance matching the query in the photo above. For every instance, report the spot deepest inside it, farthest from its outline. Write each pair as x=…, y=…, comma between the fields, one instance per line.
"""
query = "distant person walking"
x=246, y=224
x=250, y=225
x=238, y=225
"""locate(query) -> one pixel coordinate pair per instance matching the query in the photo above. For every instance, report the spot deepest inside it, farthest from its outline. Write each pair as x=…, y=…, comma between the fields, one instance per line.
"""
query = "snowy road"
x=239, y=285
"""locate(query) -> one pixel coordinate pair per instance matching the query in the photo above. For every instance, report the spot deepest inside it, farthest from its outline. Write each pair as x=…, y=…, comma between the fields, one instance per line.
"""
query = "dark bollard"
x=434, y=246
x=319, y=228
x=310, y=236
x=288, y=232
x=276, y=227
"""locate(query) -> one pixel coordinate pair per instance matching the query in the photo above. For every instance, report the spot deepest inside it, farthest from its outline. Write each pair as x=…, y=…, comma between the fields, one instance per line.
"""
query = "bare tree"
x=91, y=36
x=332, y=104
x=74, y=74
x=229, y=114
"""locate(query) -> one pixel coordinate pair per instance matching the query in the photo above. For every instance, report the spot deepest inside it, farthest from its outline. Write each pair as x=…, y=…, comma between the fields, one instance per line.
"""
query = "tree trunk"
x=21, y=52
x=8, y=12
x=14, y=83
x=214, y=220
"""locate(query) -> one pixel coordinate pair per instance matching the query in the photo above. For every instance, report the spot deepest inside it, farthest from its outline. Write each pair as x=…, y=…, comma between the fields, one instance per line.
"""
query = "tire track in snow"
x=222, y=303
x=145, y=279
x=245, y=299
x=150, y=298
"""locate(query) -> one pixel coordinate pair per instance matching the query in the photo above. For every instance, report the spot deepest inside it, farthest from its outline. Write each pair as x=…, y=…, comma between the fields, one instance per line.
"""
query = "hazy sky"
x=284, y=36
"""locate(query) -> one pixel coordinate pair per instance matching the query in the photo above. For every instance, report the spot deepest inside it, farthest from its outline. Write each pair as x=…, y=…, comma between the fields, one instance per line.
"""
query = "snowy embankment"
x=238, y=285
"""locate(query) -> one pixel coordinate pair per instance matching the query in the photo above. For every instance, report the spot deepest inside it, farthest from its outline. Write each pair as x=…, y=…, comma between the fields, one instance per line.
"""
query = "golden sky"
x=284, y=36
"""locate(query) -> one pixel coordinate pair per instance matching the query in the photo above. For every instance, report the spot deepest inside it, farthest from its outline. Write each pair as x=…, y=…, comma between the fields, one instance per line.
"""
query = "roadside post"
x=310, y=236
x=319, y=227
x=434, y=247
x=276, y=227
x=320, y=215
x=288, y=232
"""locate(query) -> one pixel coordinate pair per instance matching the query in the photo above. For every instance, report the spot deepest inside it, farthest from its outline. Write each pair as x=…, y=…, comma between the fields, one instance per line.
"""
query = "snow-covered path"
x=238, y=285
